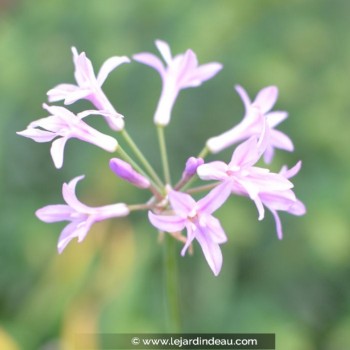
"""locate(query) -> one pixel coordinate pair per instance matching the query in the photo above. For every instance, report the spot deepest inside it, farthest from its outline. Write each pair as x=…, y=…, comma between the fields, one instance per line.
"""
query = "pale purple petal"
x=217, y=233
x=77, y=95
x=37, y=135
x=182, y=203
x=268, y=154
x=61, y=91
x=164, y=50
x=278, y=224
x=109, y=65
x=289, y=173
x=211, y=250
x=215, y=198
x=150, y=60
x=84, y=71
x=246, y=154
x=298, y=208
x=68, y=192
x=190, y=237
x=266, y=181
x=266, y=98
x=244, y=96
x=55, y=213
x=68, y=233
x=168, y=223
x=57, y=151
x=204, y=72
x=274, y=118
x=280, y=140
x=54, y=124
x=60, y=112
x=88, y=134
x=215, y=170
x=253, y=193
x=187, y=65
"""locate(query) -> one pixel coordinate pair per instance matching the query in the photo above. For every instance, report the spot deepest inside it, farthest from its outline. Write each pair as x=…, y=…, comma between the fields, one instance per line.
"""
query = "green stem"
x=141, y=158
x=163, y=154
x=171, y=284
x=204, y=152
x=202, y=188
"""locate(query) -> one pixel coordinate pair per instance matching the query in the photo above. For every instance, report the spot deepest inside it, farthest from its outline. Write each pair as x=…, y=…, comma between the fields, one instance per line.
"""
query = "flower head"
x=180, y=72
x=89, y=87
x=81, y=216
x=197, y=219
x=263, y=187
x=64, y=125
x=252, y=123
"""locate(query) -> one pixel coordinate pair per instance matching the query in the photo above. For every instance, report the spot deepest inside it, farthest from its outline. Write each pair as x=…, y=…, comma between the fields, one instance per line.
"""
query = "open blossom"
x=197, y=219
x=89, y=87
x=263, y=187
x=81, y=216
x=63, y=125
x=251, y=124
x=181, y=72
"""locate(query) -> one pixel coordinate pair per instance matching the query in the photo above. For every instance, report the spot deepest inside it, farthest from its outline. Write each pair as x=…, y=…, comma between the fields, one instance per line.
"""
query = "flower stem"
x=141, y=158
x=163, y=153
x=204, y=152
x=171, y=284
x=202, y=188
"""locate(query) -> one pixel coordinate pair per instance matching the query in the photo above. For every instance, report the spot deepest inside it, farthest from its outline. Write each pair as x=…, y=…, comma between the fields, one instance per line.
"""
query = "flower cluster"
x=171, y=208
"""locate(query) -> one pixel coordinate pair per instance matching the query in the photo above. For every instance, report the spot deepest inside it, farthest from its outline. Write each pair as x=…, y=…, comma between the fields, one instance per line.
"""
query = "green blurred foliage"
x=297, y=288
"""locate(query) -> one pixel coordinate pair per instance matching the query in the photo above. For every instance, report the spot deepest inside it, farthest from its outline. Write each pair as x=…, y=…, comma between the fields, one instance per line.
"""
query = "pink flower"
x=263, y=187
x=197, y=219
x=89, y=87
x=181, y=72
x=65, y=125
x=252, y=124
x=81, y=216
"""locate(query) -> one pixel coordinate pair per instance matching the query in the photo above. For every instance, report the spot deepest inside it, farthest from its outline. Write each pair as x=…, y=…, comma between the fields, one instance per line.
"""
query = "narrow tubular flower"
x=263, y=187
x=81, y=216
x=89, y=87
x=197, y=219
x=180, y=72
x=64, y=125
x=251, y=123
x=126, y=172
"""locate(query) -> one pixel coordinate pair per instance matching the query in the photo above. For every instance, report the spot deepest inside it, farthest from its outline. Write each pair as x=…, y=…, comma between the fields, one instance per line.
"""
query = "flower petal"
x=244, y=96
x=217, y=233
x=280, y=140
x=215, y=170
x=109, y=65
x=164, y=49
x=168, y=223
x=37, y=135
x=215, y=198
x=278, y=224
x=151, y=60
x=68, y=192
x=211, y=250
x=274, y=118
x=182, y=203
x=203, y=73
x=289, y=173
x=55, y=213
x=57, y=151
x=266, y=98
x=61, y=91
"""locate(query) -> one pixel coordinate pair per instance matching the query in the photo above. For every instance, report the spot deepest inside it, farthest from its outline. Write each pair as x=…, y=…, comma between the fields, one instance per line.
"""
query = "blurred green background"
x=297, y=288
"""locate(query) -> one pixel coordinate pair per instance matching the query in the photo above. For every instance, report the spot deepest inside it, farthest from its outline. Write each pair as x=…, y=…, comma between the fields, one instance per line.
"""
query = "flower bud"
x=125, y=171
